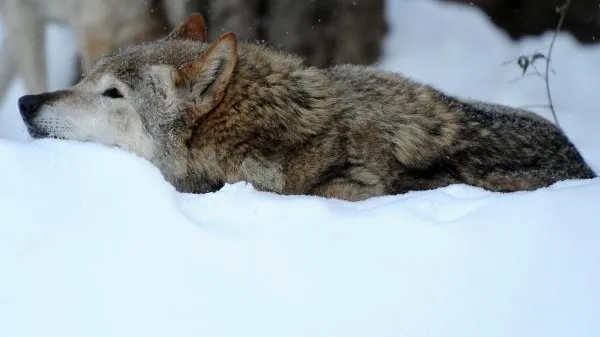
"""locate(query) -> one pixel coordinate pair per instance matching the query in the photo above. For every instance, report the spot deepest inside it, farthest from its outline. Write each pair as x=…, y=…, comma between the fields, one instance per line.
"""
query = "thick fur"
x=100, y=27
x=209, y=114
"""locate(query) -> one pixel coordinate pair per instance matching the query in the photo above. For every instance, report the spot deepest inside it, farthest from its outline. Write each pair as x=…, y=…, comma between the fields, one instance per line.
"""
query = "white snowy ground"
x=93, y=241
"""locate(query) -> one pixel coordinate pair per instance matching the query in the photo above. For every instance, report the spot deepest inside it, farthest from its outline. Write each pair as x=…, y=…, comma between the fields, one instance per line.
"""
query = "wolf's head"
x=143, y=99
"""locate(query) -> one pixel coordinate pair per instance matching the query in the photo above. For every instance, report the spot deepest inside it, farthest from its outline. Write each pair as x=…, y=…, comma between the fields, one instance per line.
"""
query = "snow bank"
x=94, y=242
x=107, y=248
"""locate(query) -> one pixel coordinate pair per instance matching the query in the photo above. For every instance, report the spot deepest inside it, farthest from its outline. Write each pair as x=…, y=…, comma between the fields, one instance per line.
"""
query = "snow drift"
x=94, y=242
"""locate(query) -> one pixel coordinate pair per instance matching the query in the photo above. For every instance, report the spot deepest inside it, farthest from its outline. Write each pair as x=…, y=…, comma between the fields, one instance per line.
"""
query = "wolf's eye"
x=112, y=93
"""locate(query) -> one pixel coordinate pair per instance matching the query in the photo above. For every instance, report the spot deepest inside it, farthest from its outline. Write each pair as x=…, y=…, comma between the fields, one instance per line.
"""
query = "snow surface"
x=94, y=242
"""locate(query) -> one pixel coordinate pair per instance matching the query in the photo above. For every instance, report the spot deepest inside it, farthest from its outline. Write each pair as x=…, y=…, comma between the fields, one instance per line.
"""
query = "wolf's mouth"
x=37, y=133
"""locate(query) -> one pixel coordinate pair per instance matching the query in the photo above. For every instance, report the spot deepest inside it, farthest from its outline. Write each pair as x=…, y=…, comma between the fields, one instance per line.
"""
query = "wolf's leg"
x=7, y=70
x=436, y=176
x=94, y=43
x=104, y=37
x=507, y=180
x=78, y=70
x=346, y=189
x=25, y=36
x=522, y=177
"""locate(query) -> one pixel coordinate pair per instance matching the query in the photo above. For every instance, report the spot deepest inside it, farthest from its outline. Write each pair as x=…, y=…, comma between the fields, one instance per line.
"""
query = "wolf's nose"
x=29, y=105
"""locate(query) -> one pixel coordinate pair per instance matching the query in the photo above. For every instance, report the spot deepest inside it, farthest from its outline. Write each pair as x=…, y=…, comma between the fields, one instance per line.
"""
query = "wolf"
x=210, y=113
x=100, y=27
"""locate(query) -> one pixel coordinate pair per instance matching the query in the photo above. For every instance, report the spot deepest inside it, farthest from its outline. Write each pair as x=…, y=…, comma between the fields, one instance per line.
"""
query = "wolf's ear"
x=194, y=28
x=206, y=78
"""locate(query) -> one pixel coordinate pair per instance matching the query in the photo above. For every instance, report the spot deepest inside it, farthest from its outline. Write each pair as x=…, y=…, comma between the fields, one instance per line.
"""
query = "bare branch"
x=527, y=62
x=562, y=10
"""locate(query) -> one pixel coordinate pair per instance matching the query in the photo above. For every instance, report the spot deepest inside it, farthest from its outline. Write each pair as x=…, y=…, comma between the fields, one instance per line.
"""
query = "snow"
x=94, y=242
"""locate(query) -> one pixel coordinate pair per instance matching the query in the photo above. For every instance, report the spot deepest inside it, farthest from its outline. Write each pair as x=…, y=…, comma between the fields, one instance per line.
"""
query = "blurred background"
x=340, y=31
x=325, y=32
x=466, y=48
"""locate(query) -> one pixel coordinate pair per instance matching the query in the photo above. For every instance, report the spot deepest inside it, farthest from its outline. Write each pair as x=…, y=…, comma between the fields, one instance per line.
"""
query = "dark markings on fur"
x=435, y=130
x=333, y=172
x=437, y=175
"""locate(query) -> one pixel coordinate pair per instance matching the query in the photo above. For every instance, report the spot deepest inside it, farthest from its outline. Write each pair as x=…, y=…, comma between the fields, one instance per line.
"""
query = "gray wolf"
x=223, y=112
x=100, y=27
